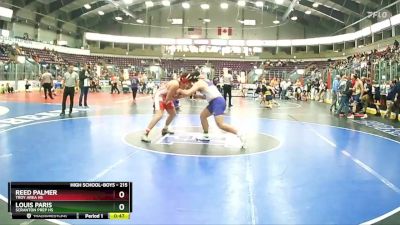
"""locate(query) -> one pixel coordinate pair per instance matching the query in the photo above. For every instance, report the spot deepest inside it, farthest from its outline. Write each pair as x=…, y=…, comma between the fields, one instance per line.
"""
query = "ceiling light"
x=118, y=18
x=276, y=21
x=315, y=4
x=87, y=6
x=308, y=12
x=279, y=2
x=128, y=2
x=260, y=4
x=166, y=3
x=205, y=6
x=100, y=13
x=139, y=21
x=241, y=3
x=294, y=18
x=224, y=5
x=185, y=5
x=149, y=4
x=206, y=20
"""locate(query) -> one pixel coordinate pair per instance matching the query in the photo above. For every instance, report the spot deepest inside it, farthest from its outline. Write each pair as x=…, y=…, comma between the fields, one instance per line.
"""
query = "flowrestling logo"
x=386, y=128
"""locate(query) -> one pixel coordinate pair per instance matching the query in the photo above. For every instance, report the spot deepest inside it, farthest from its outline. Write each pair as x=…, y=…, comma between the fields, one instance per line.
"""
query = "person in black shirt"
x=396, y=44
x=84, y=84
x=392, y=98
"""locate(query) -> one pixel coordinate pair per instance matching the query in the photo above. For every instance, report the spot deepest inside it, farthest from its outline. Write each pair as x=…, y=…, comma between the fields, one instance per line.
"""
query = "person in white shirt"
x=284, y=87
x=70, y=82
x=47, y=83
x=150, y=87
x=228, y=79
x=144, y=82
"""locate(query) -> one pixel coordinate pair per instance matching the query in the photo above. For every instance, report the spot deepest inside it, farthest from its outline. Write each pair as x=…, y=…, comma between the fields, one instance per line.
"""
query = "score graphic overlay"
x=70, y=200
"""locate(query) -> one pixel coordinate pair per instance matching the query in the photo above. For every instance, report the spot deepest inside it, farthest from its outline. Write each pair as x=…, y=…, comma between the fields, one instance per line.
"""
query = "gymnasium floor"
x=303, y=166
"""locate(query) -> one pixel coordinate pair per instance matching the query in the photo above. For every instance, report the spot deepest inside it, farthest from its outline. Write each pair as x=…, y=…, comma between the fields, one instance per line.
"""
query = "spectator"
x=344, y=91
x=114, y=84
x=84, y=84
x=47, y=82
x=335, y=87
x=9, y=88
x=144, y=82
x=134, y=86
x=392, y=97
x=367, y=96
x=357, y=89
x=396, y=44
x=2, y=89
x=150, y=87
x=27, y=85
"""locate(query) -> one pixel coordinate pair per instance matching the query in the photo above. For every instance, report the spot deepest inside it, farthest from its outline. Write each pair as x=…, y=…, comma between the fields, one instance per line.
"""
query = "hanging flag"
x=224, y=32
x=195, y=31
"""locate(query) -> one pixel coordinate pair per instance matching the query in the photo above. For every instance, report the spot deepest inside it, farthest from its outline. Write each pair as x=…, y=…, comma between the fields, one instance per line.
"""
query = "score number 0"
x=121, y=206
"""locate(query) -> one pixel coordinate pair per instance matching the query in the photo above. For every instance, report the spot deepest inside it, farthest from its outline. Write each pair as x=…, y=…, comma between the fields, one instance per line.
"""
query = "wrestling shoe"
x=242, y=141
x=205, y=137
x=145, y=138
x=166, y=131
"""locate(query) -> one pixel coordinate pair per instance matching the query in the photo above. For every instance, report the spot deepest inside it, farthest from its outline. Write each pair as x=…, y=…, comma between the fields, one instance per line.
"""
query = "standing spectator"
x=114, y=84
x=367, y=95
x=40, y=82
x=134, y=86
x=84, y=84
x=357, y=90
x=70, y=82
x=2, y=89
x=282, y=87
x=144, y=82
x=335, y=87
x=344, y=95
x=228, y=79
x=322, y=90
x=47, y=83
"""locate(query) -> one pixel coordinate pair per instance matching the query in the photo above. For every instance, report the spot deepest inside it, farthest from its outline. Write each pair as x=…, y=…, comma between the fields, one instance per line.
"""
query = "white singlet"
x=211, y=91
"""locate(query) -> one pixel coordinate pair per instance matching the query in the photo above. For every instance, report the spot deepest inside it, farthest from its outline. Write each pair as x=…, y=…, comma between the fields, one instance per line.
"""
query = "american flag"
x=195, y=31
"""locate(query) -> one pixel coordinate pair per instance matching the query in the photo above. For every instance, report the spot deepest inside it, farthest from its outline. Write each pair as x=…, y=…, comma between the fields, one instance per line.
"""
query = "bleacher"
x=45, y=56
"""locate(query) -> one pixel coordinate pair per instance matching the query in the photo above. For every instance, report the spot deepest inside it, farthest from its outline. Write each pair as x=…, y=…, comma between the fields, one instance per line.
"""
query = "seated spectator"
x=392, y=97
x=304, y=95
x=150, y=87
x=27, y=85
x=9, y=89
x=2, y=89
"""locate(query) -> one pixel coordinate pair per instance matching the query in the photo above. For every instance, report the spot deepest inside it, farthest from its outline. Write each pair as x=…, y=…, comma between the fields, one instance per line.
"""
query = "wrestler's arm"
x=196, y=87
